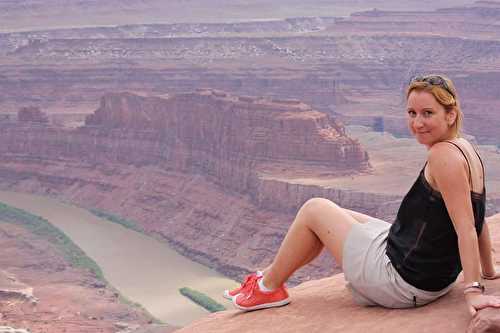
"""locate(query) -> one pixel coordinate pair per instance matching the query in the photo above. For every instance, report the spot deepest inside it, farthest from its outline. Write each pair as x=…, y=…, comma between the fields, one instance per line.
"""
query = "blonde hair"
x=445, y=94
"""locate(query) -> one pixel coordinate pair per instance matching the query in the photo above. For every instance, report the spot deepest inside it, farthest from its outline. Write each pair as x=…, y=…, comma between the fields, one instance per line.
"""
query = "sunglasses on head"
x=434, y=80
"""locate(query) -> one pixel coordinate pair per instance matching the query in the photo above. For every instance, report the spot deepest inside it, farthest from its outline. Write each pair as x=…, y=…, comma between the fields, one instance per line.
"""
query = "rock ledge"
x=326, y=306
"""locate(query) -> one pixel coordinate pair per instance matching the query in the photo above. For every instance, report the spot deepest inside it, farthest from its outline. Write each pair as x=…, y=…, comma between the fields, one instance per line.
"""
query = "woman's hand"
x=495, y=274
x=478, y=301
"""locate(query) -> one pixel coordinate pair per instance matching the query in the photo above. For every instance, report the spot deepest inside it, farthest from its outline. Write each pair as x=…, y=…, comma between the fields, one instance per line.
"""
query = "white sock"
x=262, y=287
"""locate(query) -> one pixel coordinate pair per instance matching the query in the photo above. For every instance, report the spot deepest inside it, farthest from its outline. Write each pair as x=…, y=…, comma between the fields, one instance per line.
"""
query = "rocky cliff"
x=225, y=127
x=200, y=169
x=212, y=133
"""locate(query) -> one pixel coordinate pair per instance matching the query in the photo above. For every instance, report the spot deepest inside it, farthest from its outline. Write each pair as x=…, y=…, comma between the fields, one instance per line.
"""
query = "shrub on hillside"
x=116, y=219
x=202, y=299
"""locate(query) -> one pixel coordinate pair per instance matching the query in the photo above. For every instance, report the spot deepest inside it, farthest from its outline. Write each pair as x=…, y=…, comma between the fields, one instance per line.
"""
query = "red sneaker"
x=254, y=299
x=229, y=294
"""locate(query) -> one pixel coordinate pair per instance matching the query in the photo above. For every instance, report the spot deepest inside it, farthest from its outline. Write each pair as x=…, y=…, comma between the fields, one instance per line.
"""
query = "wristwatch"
x=474, y=287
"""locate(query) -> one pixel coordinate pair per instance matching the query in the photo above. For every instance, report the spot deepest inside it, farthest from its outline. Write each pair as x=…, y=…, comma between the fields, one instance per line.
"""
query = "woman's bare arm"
x=485, y=251
x=448, y=169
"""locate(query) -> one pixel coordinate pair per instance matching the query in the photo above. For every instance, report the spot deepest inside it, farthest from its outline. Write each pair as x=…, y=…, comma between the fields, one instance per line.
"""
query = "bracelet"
x=474, y=287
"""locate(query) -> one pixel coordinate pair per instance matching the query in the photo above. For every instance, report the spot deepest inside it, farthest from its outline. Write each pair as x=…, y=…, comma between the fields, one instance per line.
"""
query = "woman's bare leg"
x=315, y=251
x=319, y=222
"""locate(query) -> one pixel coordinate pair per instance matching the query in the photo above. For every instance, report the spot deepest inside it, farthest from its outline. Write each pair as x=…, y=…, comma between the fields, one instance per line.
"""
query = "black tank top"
x=422, y=243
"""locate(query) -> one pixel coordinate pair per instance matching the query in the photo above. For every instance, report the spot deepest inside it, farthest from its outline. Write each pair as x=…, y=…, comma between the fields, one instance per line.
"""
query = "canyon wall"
x=218, y=176
x=228, y=127
x=214, y=173
x=208, y=132
x=190, y=167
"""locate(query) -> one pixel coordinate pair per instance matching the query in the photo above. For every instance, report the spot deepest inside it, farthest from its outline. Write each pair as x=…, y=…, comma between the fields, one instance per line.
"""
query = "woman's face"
x=428, y=120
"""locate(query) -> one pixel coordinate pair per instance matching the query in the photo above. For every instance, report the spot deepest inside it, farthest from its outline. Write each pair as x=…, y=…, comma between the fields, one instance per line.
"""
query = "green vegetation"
x=129, y=224
x=41, y=227
x=116, y=219
x=202, y=299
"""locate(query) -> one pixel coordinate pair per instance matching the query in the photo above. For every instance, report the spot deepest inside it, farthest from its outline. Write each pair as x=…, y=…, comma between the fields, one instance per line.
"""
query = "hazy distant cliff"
x=352, y=67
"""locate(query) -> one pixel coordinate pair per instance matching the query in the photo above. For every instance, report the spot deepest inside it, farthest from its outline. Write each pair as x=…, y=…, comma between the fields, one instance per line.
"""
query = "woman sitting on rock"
x=439, y=229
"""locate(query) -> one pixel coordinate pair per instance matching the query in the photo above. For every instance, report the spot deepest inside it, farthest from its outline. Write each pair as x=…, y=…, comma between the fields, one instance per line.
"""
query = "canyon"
x=211, y=135
x=352, y=67
x=217, y=176
x=194, y=168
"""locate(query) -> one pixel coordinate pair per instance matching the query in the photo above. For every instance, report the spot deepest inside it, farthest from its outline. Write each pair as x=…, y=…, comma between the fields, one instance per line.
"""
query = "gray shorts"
x=370, y=275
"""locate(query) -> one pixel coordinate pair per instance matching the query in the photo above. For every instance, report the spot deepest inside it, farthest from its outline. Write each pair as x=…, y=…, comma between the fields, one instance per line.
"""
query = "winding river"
x=143, y=269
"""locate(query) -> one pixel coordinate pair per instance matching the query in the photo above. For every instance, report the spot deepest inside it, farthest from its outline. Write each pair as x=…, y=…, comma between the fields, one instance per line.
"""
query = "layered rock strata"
x=191, y=168
x=356, y=66
x=212, y=133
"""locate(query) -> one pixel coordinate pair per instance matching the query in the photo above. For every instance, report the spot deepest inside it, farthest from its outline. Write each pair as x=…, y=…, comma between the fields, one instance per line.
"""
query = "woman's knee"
x=318, y=203
x=315, y=207
x=329, y=222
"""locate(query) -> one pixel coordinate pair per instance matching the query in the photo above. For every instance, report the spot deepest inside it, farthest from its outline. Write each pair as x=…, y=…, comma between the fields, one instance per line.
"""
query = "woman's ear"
x=451, y=117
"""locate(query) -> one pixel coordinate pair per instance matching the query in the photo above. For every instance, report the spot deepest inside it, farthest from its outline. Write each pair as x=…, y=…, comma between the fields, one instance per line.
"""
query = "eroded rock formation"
x=224, y=127
x=355, y=67
x=199, y=169
x=228, y=138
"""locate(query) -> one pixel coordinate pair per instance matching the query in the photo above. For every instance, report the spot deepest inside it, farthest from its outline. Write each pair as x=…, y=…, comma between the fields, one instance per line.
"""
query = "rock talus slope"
x=326, y=306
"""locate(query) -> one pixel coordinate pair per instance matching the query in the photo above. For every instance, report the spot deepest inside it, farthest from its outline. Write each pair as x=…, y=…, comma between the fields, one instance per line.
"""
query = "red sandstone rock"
x=222, y=126
x=226, y=210
x=203, y=133
x=326, y=306
x=186, y=210
x=169, y=164
x=486, y=321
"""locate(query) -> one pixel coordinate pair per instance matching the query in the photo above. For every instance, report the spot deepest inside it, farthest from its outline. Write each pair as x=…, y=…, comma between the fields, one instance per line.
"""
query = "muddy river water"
x=143, y=269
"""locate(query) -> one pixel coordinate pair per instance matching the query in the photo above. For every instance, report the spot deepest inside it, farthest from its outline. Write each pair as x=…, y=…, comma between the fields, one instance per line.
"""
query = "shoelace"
x=247, y=279
x=253, y=285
